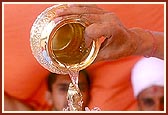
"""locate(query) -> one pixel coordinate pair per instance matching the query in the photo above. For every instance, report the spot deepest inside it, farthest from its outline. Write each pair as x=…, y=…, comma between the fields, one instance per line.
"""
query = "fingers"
x=82, y=5
x=92, y=32
x=92, y=18
x=77, y=9
x=96, y=31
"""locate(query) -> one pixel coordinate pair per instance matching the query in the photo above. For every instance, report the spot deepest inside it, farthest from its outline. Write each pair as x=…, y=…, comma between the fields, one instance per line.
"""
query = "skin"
x=118, y=41
x=151, y=99
x=59, y=91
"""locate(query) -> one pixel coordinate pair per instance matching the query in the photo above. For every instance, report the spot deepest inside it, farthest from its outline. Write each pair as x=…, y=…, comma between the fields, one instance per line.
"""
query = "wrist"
x=146, y=43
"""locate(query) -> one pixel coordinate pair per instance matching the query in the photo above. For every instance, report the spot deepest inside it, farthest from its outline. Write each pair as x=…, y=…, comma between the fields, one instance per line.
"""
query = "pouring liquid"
x=68, y=45
x=68, y=48
x=59, y=46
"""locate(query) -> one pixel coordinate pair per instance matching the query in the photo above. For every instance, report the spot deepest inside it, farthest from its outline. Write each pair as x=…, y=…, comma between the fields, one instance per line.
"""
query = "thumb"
x=93, y=32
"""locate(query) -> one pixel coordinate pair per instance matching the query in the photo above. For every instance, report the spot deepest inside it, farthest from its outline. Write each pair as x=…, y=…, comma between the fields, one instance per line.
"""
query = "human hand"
x=119, y=41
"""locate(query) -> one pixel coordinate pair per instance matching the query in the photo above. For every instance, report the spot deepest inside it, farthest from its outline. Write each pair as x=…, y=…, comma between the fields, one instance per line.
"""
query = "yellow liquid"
x=68, y=44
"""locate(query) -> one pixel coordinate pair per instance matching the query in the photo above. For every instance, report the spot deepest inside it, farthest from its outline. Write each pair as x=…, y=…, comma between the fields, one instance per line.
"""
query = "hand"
x=119, y=41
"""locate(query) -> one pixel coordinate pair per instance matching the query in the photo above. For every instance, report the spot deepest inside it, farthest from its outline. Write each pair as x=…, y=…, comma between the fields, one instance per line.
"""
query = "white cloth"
x=147, y=72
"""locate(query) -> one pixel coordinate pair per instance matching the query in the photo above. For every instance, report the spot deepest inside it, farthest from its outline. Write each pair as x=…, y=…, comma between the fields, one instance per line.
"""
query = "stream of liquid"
x=60, y=47
x=74, y=96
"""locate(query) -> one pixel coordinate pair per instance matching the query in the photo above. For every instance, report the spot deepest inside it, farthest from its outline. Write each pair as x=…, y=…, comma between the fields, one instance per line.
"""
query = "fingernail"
x=101, y=39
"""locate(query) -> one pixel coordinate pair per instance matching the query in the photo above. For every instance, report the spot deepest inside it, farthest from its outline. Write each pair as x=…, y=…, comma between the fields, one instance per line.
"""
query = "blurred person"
x=58, y=85
x=148, y=84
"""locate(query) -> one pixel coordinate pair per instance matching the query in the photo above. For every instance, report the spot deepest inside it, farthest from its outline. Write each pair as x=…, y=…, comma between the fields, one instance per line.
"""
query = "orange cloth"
x=24, y=78
x=111, y=86
x=23, y=75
